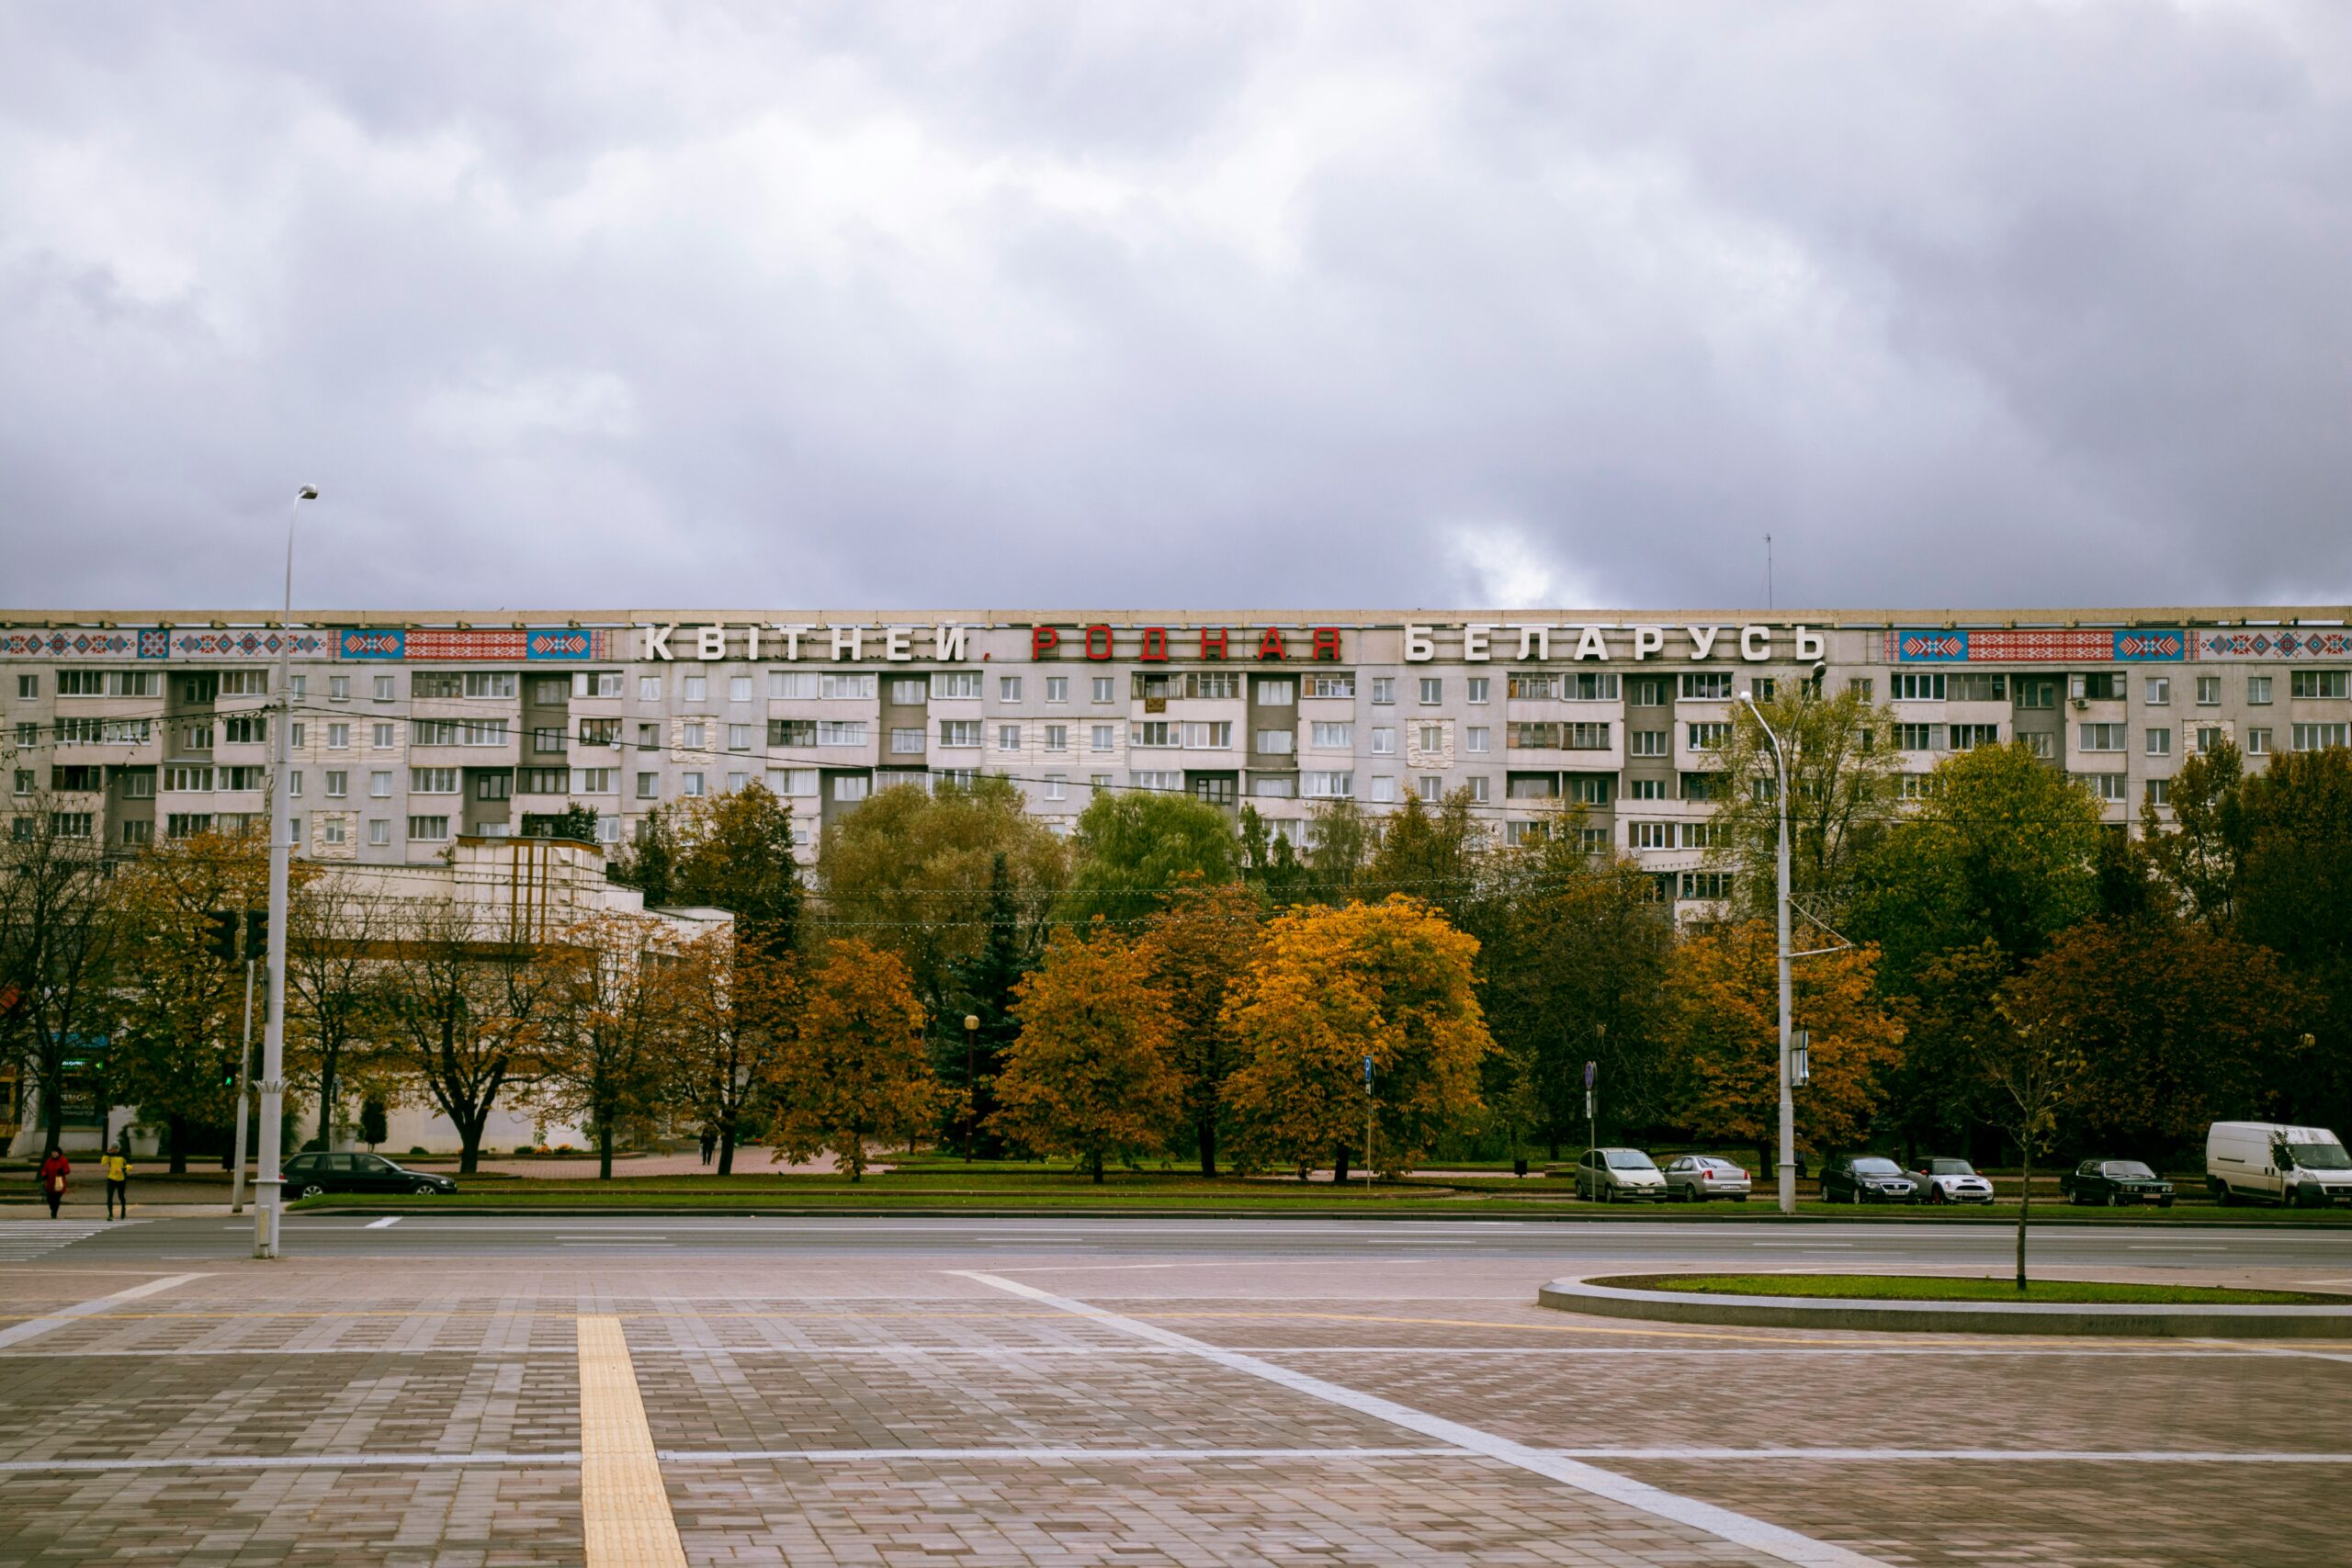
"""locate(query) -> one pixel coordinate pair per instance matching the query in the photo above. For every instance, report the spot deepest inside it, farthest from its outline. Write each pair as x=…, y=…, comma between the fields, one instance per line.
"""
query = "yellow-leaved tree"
x=1328, y=987
x=1723, y=1003
x=856, y=1068
x=1093, y=1073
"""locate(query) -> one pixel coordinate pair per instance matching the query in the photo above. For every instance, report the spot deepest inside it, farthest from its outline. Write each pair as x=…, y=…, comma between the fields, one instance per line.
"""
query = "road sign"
x=1368, y=1072
x=1592, y=1070
x=1800, y=1056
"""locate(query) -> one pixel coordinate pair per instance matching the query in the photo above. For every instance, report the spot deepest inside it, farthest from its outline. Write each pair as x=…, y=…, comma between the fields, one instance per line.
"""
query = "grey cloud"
x=1214, y=306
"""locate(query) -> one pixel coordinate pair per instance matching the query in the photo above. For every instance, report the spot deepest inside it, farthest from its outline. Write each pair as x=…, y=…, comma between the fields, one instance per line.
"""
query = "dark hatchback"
x=307, y=1174
x=1867, y=1179
x=2115, y=1181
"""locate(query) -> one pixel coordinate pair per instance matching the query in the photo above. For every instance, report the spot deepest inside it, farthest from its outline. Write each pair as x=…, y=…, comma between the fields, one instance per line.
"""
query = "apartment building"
x=409, y=732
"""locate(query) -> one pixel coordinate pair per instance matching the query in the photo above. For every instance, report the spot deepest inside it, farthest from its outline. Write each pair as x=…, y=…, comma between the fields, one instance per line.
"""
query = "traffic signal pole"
x=244, y=1065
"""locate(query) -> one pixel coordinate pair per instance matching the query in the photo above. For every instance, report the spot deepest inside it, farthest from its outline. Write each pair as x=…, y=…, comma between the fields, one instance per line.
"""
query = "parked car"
x=307, y=1174
x=1951, y=1182
x=1695, y=1178
x=1866, y=1178
x=1607, y=1175
x=2115, y=1181
x=2270, y=1162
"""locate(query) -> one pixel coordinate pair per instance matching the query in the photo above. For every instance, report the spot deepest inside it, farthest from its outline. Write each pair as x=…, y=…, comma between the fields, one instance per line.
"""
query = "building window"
x=2032, y=692
x=1967, y=737
x=1429, y=786
x=1649, y=742
x=649, y=688
x=1102, y=738
x=2099, y=738
x=338, y=784
x=544, y=742
x=2105, y=786
x=493, y=787
x=851, y=786
x=2257, y=742
x=1707, y=737
x=384, y=689
x=1714, y=685
x=1008, y=738
x=1532, y=686
x=693, y=688
x=1332, y=737
x=1477, y=738
x=2257, y=690
x=2319, y=736
x=792, y=685
x=1905, y=687
x=549, y=689
x=1277, y=788
x=841, y=732
x=845, y=686
x=1384, y=689
x=27, y=688
x=1172, y=784
x=1275, y=693
x=1329, y=786
x=2042, y=744
x=1008, y=688
x=1384, y=744
x=545, y=780
x=1057, y=786
x=2208, y=690
x=1331, y=685
x=956, y=684
x=428, y=829
x=1588, y=789
x=1058, y=737
x=437, y=683
x=649, y=786
x=1649, y=835
x=1276, y=742
x=2160, y=743
x=2315, y=682
x=1477, y=686
x=1429, y=739
x=1645, y=789
x=909, y=690
x=739, y=688
x=1058, y=688
x=906, y=742
x=421, y=781
x=648, y=738
x=1433, y=690
x=738, y=738
x=692, y=785
x=1967, y=688
x=338, y=688
x=1706, y=884
x=596, y=780
x=690, y=735
x=1383, y=788
x=2159, y=690
x=1104, y=688
x=959, y=732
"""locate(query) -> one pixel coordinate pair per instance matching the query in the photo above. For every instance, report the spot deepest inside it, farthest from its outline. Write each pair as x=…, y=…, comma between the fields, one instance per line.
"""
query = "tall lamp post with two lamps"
x=266, y=1180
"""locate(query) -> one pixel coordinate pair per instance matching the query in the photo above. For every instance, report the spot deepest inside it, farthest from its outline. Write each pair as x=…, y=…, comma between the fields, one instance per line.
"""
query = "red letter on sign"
x=1043, y=640
x=1327, y=643
x=1098, y=649
x=1270, y=644
x=1155, y=644
x=1213, y=642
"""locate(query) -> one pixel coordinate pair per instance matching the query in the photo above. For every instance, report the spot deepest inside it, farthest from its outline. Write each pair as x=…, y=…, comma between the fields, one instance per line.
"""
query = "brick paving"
x=256, y=1372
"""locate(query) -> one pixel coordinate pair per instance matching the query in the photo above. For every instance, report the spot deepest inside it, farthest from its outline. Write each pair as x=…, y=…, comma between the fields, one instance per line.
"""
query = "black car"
x=307, y=1174
x=2114, y=1182
x=1867, y=1179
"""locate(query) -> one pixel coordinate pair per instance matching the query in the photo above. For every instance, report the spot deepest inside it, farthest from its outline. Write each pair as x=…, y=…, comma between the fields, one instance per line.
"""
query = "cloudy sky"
x=1164, y=305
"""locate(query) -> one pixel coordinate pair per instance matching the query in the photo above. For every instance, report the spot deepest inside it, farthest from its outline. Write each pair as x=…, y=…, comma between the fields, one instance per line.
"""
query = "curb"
x=2220, y=1321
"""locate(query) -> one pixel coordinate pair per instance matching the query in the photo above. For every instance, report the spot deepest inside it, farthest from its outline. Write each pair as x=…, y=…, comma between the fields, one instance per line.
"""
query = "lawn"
x=1919, y=1287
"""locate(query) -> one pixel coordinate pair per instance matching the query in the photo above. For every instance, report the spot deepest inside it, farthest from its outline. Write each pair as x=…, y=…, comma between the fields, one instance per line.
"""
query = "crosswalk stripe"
x=22, y=1240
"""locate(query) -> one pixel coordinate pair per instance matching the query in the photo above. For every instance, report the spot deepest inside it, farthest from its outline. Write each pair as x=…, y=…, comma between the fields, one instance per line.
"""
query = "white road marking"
x=383, y=1224
x=22, y=1241
x=19, y=1333
x=2260, y=1349
x=2168, y=1247
x=1723, y=1524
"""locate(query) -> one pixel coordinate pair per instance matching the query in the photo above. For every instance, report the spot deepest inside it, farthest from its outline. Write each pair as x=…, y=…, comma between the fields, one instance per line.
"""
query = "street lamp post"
x=1788, y=1168
x=971, y=1090
x=273, y=1036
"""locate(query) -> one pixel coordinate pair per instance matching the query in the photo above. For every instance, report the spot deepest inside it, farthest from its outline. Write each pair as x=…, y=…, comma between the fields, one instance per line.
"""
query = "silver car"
x=1695, y=1178
x=1611, y=1175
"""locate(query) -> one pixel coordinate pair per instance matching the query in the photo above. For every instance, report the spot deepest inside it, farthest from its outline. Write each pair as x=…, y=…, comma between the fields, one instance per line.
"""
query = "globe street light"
x=266, y=1180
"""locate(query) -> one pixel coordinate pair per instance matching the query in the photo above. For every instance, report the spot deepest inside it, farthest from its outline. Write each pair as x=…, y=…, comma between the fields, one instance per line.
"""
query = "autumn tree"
x=856, y=1066
x=2178, y=1027
x=1840, y=764
x=1328, y=987
x=1432, y=855
x=1575, y=953
x=2295, y=875
x=1093, y=1073
x=1341, y=839
x=1196, y=948
x=179, y=1005
x=1724, y=991
x=2196, y=854
x=909, y=870
x=1269, y=862
x=606, y=1021
x=1133, y=845
x=734, y=1009
x=58, y=931
x=733, y=851
x=2003, y=848
x=337, y=921
x=2035, y=1064
x=987, y=984
x=467, y=1009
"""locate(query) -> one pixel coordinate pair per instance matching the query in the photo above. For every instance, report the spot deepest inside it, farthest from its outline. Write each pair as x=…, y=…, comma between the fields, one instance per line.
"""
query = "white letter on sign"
x=898, y=644
x=947, y=643
x=1419, y=648
x=1474, y=644
x=710, y=642
x=1702, y=641
x=846, y=640
x=656, y=642
x=1590, y=646
x=1755, y=643
x=1648, y=640
x=1811, y=644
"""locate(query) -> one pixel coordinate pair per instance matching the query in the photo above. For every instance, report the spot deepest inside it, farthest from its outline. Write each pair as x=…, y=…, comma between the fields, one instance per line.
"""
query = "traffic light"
x=220, y=934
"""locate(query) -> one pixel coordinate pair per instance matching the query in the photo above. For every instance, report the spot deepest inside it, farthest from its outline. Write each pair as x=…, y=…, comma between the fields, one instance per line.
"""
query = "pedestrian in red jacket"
x=53, y=1172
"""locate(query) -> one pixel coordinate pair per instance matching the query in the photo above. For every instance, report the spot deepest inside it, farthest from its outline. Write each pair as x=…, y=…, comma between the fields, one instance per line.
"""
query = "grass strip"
x=1935, y=1288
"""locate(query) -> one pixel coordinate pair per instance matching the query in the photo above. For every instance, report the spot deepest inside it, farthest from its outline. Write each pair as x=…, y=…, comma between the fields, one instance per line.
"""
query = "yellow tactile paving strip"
x=624, y=1510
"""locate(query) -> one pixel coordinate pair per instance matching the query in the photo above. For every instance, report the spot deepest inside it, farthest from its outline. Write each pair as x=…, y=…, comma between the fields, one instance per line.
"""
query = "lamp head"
x=308, y=492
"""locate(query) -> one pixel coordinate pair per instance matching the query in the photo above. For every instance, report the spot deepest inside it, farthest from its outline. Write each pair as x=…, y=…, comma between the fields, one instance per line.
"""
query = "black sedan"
x=1867, y=1179
x=2115, y=1181
x=309, y=1175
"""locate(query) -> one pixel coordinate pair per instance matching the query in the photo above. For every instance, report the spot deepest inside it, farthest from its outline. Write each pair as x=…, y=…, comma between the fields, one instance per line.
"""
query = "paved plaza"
x=1015, y=1393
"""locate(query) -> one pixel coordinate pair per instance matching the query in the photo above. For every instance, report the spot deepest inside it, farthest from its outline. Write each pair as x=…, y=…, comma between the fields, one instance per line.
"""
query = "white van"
x=2266, y=1162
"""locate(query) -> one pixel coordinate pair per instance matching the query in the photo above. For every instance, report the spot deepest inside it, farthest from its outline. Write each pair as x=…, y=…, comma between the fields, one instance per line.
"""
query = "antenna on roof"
x=1768, y=571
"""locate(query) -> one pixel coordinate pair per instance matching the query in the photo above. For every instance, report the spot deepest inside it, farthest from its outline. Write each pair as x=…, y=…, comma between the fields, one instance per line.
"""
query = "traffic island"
x=1942, y=1305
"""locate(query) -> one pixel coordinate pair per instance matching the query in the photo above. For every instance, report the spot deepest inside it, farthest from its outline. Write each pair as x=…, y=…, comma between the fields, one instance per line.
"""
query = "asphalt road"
x=1558, y=1245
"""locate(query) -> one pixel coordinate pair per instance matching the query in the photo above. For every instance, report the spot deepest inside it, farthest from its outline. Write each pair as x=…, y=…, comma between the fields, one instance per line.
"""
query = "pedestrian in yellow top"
x=119, y=1181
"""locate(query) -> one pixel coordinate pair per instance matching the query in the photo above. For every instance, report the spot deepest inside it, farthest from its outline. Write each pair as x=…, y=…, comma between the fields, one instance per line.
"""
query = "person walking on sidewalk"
x=709, y=1142
x=119, y=1179
x=53, y=1172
